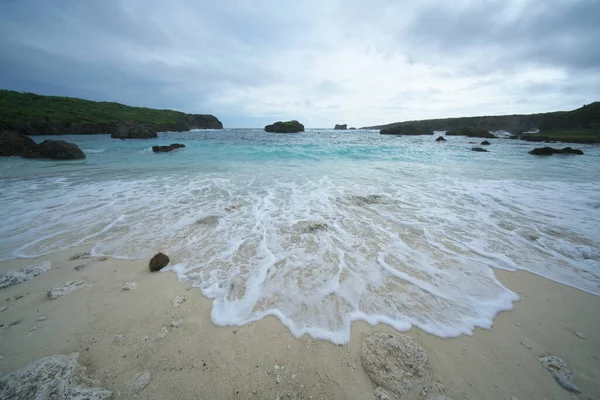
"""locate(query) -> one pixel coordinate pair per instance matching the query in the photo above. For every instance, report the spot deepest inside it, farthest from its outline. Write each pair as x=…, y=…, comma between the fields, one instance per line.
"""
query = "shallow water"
x=324, y=227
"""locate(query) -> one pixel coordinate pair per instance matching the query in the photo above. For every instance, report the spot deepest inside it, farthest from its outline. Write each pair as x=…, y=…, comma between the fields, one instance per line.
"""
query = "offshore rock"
x=158, y=262
x=341, y=127
x=285, y=127
x=397, y=364
x=479, y=149
x=23, y=274
x=57, y=149
x=15, y=144
x=58, y=377
x=166, y=149
x=485, y=143
x=548, y=151
x=130, y=131
x=440, y=139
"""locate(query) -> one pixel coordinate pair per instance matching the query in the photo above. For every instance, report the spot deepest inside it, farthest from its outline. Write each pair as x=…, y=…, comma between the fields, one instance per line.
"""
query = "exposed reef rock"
x=130, y=131
x=548, y=151
x=65, y=288
x=406, y=130
x=471, y=132
x=352, y=128
x=397, y=364
x=440, y=139
x=24, y=274
x=158, y=262
x=166, y=149
x=485, y=143
x=560, y=371
x=57, y=377
x=56, y=149
x=17, y=144
x=285, y=127
x=479, y=149
x=341, y=127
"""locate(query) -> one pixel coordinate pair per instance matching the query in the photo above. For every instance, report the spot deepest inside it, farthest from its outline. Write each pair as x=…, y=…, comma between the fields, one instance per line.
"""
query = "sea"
x=320, y=228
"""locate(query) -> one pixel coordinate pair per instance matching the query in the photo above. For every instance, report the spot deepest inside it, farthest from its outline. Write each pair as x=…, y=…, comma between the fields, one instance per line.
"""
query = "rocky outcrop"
x=166, y=149
x=472, y=132
x=56, y=149
x=341, y=127
x=23, y=274
x=485, y=143
x=285, y=127
x=479, y=149
x=396, y=364
x=440, y=139
x=131, y=131
x=406, y=130
x=57, y=377
x=548, y=151
x=15, y=144
x=158, y=262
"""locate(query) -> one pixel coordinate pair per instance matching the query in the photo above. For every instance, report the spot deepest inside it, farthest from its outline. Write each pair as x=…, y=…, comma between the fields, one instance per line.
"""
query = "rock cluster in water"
x=440, y=139
x=166, y=149
x=58, y=377
x=158, y=262
x=131, y=131
x=548, y=151
x=18, y=144
x=285, y=127
x=396, y=364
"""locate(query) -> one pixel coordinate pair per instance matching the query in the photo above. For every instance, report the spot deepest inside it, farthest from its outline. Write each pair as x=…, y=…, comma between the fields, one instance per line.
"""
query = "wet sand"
x=120, y=333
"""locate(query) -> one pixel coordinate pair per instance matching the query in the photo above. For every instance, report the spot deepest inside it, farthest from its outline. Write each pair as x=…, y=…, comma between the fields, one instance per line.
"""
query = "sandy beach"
x=122, y=333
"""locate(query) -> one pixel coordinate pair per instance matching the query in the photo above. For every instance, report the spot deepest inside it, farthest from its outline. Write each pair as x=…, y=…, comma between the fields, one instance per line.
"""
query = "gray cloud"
x=322, y=62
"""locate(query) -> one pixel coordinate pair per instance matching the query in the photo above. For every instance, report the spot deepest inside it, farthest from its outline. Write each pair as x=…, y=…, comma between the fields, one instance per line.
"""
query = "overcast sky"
x=319, y=61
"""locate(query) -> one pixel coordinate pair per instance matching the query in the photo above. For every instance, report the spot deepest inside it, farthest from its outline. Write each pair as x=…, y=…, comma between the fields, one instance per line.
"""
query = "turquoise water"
x=320, y=228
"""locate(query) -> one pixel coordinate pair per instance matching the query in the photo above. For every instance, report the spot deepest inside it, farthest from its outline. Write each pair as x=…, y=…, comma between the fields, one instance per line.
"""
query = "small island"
x=340, y=127
x=285, y=127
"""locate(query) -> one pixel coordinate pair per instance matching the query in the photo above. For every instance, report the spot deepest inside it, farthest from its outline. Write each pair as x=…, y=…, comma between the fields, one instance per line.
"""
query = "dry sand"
x=121, y=333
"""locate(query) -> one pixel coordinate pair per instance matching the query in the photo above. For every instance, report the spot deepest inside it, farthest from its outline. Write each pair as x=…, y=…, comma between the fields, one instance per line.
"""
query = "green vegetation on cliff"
x=35, y=114
x=578, y=126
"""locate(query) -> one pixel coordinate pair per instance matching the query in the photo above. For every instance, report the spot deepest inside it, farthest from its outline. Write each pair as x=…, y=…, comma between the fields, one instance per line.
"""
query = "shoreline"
x=120, y=333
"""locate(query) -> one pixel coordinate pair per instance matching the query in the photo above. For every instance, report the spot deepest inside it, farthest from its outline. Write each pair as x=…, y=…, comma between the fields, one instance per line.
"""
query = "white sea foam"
x=320, y=247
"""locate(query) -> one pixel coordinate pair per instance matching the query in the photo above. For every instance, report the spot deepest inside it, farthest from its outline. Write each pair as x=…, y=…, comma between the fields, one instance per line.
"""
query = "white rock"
x=127, y=286
x=140, y=381
x=560, y=371
x=57, y=377
x=66, y=288
x=396, y=363
x=23, y=274
x=178, y=300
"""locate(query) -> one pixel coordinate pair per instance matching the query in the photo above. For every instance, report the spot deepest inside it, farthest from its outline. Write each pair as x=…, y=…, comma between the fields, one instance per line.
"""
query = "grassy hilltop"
x=35, y=114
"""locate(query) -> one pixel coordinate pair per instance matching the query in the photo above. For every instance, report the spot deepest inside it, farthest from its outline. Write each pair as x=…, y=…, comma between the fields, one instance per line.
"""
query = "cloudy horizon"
x=321, y=62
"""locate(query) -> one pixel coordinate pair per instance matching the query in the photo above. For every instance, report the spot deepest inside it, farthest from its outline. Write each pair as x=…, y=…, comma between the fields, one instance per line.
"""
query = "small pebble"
x=40, y=319
x=275, y=366
x=527, y=346
x=518, y=325
x=580, y=335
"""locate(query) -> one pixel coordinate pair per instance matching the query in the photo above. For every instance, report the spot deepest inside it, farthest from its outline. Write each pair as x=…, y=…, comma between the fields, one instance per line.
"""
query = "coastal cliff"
x=34, y=114
x=581, y=125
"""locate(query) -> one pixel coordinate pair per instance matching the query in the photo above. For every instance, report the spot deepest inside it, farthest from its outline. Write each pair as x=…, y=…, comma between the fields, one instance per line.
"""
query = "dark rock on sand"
x=131, y=131
x=440, y=139
x=285, y=127
x=397, y=364
x=485, y=143
x=15, y=144
x=158, y=262
x=341, y=127
x=165, y=149
x=479, y=149
x=548, y=151
x=471, y=132
x=57, y=149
